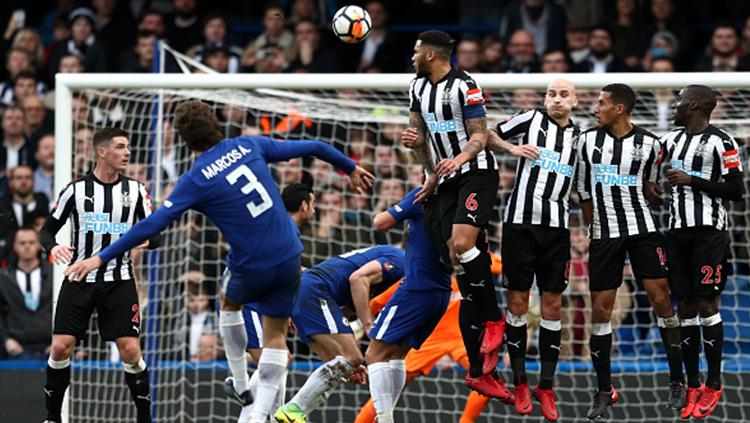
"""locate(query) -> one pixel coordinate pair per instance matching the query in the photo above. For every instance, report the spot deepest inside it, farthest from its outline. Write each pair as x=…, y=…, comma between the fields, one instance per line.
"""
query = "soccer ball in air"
x=351, y=24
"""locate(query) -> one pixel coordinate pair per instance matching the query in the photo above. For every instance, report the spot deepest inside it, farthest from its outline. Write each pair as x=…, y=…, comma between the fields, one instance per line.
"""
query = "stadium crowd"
x=515, y=36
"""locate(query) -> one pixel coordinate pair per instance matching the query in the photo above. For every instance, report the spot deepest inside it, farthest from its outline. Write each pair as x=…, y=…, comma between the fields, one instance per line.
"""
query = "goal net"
x=363, y=116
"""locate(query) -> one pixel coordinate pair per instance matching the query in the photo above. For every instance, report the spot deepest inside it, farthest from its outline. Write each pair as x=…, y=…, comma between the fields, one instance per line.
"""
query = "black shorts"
x=607, y=259
x=467, y=199
x=697, y=261
x=534, y=250
x=115, y=302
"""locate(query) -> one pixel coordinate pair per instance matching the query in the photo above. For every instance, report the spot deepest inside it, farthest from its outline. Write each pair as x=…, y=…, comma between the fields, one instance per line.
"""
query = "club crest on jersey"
x=388, y=267
x=446, y=96
x=701, y=149
x=125, y=200
x=637, y=153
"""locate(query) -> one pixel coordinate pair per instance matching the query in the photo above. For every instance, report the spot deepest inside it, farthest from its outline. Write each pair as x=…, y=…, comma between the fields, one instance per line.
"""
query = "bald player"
x=536, y=240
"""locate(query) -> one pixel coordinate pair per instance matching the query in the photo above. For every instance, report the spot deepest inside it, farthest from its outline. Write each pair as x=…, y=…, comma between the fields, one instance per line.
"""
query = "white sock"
x=232, y=330
x=324, y=380
x=381, y=390
x=253, y=384
x=398, y=379
x=271, y=369
x=280, y=396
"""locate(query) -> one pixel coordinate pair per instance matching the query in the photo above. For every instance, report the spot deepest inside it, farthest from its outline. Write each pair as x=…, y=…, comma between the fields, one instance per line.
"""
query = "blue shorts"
x=316, y=311
x=253, y=326
x=271, y=290
x=409, y=317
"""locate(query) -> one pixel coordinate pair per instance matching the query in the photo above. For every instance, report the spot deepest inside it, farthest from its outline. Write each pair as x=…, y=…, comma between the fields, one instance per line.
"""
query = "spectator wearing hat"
x=82, y=42
x=217, y=57
x=215, y=35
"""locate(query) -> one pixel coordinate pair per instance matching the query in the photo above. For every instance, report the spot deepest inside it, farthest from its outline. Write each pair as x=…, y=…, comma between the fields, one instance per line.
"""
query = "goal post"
x=363, y=114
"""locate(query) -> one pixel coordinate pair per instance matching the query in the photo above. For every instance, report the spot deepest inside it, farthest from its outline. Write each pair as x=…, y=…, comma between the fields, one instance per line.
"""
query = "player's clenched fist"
x=410, y=138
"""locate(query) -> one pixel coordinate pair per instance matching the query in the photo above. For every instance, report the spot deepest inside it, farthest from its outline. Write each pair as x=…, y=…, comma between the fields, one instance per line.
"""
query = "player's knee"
x=518, y=305
x=688, y=308
x=600, y=312
x=60, y=349
x=708, y=306
x=130, y=351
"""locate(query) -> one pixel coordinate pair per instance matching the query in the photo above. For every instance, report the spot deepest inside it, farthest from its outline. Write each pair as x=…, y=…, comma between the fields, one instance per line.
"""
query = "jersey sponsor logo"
x=549, y=160
x=224, y=162
x=439, y=126
x=99, y=223
x=474, y=96
x=731, y=159
x=680, y=165
x=609, y=175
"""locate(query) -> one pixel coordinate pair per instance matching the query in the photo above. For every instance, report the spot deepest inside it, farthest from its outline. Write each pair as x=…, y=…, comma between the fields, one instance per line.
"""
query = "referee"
x=448, y=122
x=102, y=206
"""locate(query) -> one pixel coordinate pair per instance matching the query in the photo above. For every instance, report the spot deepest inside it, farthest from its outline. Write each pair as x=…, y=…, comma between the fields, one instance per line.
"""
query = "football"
x=351, y=24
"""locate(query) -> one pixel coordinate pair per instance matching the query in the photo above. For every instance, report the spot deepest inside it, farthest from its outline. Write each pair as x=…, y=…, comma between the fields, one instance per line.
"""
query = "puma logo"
x=467, y=298
x=516, y=344
x=473, y=217
x=555, y=347
x=596, y=353
x=137, y=329
x=144, y=397
x=679, y=346
x=543, y=131
x=85, y=198
x=686, y=341
x=599, y=149
x=709, y=342
x=478, y=284
x=48, y=392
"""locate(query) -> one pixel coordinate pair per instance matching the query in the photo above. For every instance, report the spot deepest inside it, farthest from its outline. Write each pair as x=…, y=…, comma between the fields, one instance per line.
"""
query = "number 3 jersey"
x=611, y=173
x=541, y=193
x=712, y=155
x=231, y=184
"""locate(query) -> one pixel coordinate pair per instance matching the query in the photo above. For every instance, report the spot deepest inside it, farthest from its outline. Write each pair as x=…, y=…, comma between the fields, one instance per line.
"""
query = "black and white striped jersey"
x=611, y=173
x=445, y=107
x=711, y=155
x=100, y=214
x=541, y=192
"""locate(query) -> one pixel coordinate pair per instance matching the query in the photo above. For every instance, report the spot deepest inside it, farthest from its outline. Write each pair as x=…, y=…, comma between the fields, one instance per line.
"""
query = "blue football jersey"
x=424, y=270
x=336, y=270
x=231, y=184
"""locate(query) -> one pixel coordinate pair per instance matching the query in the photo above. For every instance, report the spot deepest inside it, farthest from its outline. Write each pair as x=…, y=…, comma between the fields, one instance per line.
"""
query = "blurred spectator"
x=492, y=54
x=84, y=152
x=746, y=37
x=387, y=163
x=555, y=61
x=306, y=10
x=328, y=222
x=17, y=61
x=209, y=348
x=215, y=35
x=361, y=148
x=324, y=174
x=184, y=25
x=575, y=317
x=522, y=53
x=82, y=42
x=525, y=99
x=664, y=45
x=29, y=40
x=578, y=43
x=662, y=97
x=26, y=301
x=141, y=58
x=627, y=33
x=217, y=57
x=114, y=28
x=661, y=64
x=44, y=175
x=26, y=84
x=275, y=45
x=311, y=57
x=381, y=49
x=545, y=20
x=390, y=191
x=723, y=53
x=601, y=59
x=289, y=172
x=201, y=320
x=71, y=63
x=414, y=177
x=39, y=120
x=60, y=33
x=152, y=20
x=16, y=150
x=24, y=201
x=664, y=18
x=467, y=55
x=106, y=110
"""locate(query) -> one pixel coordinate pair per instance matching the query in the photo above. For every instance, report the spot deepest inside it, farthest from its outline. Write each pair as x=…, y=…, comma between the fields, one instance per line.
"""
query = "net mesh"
x=178, y=282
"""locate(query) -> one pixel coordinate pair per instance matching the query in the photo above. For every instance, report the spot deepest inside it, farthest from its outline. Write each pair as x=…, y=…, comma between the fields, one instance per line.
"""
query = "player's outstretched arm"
x=360, y=281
